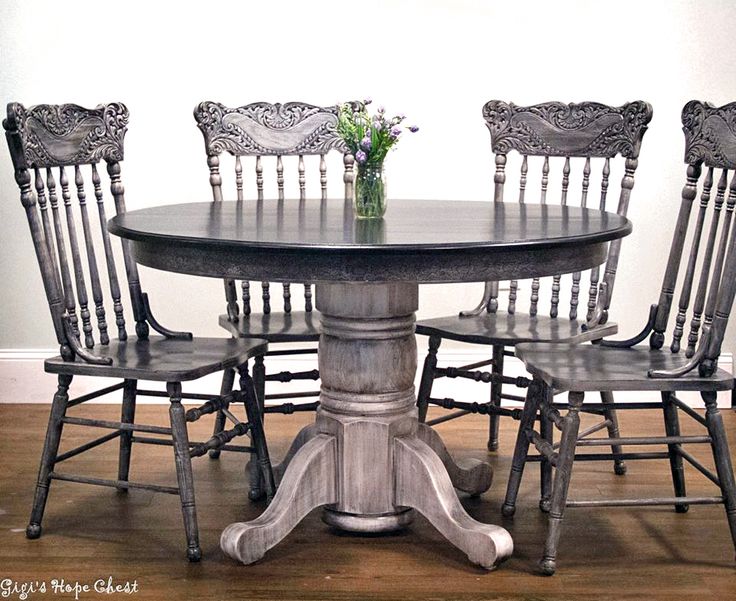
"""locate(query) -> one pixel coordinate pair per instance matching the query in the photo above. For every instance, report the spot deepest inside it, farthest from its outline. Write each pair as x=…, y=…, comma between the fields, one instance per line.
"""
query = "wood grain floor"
x=91, y=532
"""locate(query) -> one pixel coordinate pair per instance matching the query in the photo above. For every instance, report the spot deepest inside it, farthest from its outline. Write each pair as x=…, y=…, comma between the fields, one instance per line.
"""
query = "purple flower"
x=381, y=109
x=395, y=131
x=377, y=125
x=361, y=156
x=366, y=143
x=413, y=128
x=367, y=101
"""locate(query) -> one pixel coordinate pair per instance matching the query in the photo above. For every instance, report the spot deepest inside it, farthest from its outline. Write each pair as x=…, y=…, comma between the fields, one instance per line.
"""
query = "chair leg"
x=184, y=469
x=427, y=380
x=672, y=428
x=259, y=381
x=48, y=457
x=565, y=459
x=496, y=386
x=259, y=438
x=528, y=415
x=722, y=457
x=619, y=465
x=127, y=416
x=546, y=430
x=228, y=378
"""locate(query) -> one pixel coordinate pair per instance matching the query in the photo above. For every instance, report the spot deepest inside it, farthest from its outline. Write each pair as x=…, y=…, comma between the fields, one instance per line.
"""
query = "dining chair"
x=689, y=363
x=61, y=146
x=265, y=131
x=588, y=141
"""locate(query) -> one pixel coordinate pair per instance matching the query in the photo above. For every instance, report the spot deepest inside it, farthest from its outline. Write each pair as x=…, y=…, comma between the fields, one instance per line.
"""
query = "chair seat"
x=593, y=367
x=510, y=329
x=163, y=359
x=298, y=326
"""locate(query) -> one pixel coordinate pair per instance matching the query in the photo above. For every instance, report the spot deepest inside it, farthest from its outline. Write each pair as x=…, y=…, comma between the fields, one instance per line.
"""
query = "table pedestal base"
x=366, y=456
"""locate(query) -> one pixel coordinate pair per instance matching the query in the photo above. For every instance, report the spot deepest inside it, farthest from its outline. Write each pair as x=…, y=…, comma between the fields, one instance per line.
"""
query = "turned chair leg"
x=563, y=473
x=672, y=428
x=546, y=431
x=496, y=387
x=127, y=416
x=184, y=469
x=258, y=436
x=259, y=384
x=619, y=465
x=521, y=450
x=228, y=378
x=722, y=458
x=427, y=380
x=48, y=457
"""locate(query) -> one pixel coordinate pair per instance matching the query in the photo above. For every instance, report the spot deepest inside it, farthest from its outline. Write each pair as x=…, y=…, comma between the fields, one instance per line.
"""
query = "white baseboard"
x=22, y=379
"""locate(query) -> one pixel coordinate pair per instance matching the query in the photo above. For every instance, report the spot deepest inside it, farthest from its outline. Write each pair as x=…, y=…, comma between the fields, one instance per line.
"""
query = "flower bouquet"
x=369, y=138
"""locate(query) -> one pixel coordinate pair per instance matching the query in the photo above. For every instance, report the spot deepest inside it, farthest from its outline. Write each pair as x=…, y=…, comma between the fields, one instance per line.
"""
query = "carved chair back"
x=259, y=130
x=51, y=145
x=584, y=140
x=709, y=280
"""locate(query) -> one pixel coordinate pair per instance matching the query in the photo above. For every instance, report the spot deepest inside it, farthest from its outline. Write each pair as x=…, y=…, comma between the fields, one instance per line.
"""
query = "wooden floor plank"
x=90, y=533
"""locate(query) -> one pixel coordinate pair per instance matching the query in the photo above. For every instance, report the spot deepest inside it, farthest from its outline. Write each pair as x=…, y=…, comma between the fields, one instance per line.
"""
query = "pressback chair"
x=687, y=363
x=82, y=284
x=583, y=141
x=265, y=131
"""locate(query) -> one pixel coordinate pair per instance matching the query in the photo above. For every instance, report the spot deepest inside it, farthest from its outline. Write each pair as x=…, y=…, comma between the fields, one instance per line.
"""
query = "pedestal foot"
x=308, y=483
x=306, y=434
x=423, y=483
x=471, y=475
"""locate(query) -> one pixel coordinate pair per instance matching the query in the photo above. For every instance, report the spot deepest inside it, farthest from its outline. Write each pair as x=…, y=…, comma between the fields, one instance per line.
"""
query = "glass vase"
x=370, y=192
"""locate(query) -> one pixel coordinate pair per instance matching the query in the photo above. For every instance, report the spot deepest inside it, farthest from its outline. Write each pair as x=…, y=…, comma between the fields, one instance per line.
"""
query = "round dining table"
x=366, y=459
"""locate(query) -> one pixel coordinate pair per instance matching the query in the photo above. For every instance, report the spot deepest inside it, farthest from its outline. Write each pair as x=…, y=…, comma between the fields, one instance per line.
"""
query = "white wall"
x=437, y=61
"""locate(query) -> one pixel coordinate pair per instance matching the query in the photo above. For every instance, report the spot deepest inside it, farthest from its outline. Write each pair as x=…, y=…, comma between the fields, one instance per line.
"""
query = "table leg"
x=368, y=462
x=472, y=476
x=306, y=434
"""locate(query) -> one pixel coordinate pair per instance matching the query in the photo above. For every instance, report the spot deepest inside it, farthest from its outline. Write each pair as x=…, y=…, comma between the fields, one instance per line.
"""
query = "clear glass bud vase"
x=370, y=192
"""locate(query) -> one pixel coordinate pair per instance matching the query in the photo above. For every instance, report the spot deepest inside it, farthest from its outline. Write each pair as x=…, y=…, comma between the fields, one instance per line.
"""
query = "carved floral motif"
x=66, y=134
x=544, y=129
x=710, y=134
x=293, y=128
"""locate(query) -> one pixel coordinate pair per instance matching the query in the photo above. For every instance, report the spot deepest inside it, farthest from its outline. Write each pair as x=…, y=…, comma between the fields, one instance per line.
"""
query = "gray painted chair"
x=585, y=139
x=68, y=141
x=272, y=131
x=706, y=295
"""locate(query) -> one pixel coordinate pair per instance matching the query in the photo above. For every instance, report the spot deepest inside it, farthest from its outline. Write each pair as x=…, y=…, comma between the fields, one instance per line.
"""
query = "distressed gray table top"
x=417, y=240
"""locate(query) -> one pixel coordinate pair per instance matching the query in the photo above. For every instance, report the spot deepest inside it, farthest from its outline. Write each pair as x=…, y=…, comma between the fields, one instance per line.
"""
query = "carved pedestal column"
x=366, y=458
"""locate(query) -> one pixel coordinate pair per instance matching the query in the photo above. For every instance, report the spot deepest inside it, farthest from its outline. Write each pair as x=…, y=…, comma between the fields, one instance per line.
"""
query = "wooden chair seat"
x=297, y=326
x=162, y=359
x=509, y=329
x=585, y=368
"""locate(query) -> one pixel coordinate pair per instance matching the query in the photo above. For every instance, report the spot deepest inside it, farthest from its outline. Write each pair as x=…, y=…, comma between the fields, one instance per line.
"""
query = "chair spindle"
x=94, y=274
x=687, y=284
x=699, y=305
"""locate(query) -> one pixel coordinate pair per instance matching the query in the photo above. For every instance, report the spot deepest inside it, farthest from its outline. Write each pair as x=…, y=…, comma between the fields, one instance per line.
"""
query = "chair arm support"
x=77, y=347
x=639, y=337
x=483, y=304
x=158, y=327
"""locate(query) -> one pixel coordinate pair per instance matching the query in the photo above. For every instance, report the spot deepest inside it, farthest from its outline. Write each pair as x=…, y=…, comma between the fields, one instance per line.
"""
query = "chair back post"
x=45, y=138
x=577, y=130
